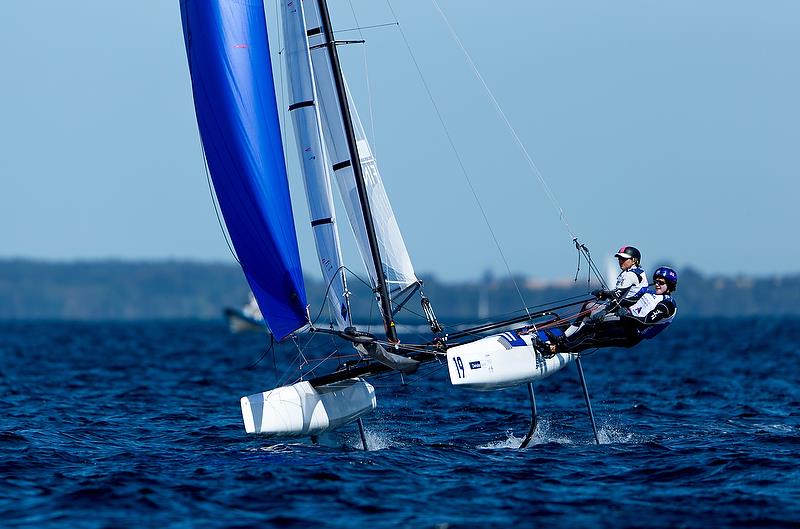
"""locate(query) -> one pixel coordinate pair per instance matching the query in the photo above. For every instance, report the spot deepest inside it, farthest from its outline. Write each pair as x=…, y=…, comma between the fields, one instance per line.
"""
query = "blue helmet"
x=669, y=275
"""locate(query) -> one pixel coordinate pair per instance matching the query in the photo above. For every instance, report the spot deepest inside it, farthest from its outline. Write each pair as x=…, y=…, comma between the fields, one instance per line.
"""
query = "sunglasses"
x=660, y=282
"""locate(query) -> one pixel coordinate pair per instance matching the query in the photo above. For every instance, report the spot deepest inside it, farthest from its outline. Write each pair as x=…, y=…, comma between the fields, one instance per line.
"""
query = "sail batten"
x=397, y=269
x=313, y=160
x=228, y=52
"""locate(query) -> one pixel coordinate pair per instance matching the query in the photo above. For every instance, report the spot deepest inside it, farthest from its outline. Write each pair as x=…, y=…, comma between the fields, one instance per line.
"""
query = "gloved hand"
x=605, y=294
x=622, y=312
x=597, y=317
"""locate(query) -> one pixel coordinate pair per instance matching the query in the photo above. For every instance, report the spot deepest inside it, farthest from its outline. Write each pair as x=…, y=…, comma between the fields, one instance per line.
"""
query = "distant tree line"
x=125, y=290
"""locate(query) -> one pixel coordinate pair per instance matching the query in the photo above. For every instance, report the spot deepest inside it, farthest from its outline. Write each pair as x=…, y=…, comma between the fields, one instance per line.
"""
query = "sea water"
x=138, y=425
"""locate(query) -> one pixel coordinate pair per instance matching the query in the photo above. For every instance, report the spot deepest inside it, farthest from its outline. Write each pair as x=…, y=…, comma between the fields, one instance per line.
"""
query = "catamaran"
x=238, y=119
x=247, y=318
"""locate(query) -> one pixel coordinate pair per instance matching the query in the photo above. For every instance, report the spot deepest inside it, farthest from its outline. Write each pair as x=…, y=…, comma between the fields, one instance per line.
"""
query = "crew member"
x=652, y=312
x=631, y=281
x=656, y=309
x=631, y=284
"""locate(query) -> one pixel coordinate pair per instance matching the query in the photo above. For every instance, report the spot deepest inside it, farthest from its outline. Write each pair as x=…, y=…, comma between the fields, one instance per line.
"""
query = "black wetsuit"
x=625, y=328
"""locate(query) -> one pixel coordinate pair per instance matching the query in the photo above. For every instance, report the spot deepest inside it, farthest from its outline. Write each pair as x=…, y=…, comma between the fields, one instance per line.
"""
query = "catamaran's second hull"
x=501, y=361
x=302, y=410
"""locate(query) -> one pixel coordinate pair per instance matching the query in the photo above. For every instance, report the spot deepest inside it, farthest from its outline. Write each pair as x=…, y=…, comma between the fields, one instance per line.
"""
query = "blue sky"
x=672, y=126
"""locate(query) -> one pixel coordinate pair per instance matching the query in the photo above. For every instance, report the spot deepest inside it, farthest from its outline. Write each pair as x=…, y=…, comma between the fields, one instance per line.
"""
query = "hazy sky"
x=673, y=126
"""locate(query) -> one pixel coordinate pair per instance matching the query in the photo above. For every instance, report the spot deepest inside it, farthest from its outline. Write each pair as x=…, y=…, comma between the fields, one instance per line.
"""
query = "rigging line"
x=582, y=249
x=411, y=311
x=330, y=284
x=360, y=28
x=359, y=278
x=483, y=329
x=372, y=289
x=365, y=282
x=302, y=354
x=389, y=376
x=335, y=353
x=580, y=297
x=550, y=195
x=566, y=319
x=270, y=348
x=216, y=205
x=299, y=356
x=324, y=303
x=283, y=379
x=321, y=361
x=430, y=368
x=388, y=379
x=353, y=356
x=369, y=86
x=597, y=274
x=423, y=375
x=334, y=277
x=458, y=157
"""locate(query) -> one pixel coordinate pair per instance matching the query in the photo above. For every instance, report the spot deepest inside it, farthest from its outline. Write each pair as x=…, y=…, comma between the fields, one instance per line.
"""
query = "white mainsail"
x=303, y=108
x=397, y=268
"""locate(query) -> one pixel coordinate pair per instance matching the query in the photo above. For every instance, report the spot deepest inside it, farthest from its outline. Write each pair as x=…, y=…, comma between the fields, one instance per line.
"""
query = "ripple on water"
x=140, y=425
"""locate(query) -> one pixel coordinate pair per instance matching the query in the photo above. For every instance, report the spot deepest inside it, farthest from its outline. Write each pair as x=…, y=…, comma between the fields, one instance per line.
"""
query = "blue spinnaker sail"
x=234, y=97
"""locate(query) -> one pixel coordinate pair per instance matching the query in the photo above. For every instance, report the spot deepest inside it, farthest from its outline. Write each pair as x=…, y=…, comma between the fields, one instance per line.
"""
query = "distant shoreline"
x=122, y=290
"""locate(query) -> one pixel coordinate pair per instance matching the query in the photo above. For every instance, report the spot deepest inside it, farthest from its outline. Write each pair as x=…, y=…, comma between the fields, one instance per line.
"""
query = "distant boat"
x=235, y=103
x=247, y=318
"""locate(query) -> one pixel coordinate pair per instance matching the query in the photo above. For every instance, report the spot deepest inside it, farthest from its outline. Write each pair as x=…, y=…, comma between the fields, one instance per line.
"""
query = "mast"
x=355, y=160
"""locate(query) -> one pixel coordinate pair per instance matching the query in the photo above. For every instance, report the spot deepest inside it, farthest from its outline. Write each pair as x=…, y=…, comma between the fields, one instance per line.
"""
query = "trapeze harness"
x=632, y=283
x=645, y=309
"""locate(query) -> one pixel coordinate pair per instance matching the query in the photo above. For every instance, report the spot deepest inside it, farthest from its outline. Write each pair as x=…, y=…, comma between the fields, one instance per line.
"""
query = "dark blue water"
x=138, y=425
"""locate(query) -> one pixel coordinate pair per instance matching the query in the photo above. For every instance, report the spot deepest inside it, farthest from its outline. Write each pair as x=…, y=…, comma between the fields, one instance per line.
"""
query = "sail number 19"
x=459, y=366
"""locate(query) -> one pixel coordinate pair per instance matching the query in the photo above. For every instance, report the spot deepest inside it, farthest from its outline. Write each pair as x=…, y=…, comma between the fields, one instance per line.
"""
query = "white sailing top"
x=632, y=283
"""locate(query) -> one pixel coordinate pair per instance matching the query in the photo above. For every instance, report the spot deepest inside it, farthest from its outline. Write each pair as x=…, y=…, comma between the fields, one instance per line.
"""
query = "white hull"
x=302, y=410
x=501, y=361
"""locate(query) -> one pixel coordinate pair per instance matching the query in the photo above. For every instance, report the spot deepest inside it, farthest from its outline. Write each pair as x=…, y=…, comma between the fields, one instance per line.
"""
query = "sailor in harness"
x=631, y=281
x=624, y=326
x=630, y=285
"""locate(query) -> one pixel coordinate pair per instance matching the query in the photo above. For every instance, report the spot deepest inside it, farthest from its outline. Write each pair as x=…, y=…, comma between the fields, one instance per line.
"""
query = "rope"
x=584, y=250
x=369, y=87
x=334, y=276
x=330, y=284
x=360, y=28
x=271, y=348
x=456, y=154
x=216, y=205
x=319, y=363
x=550, y=195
